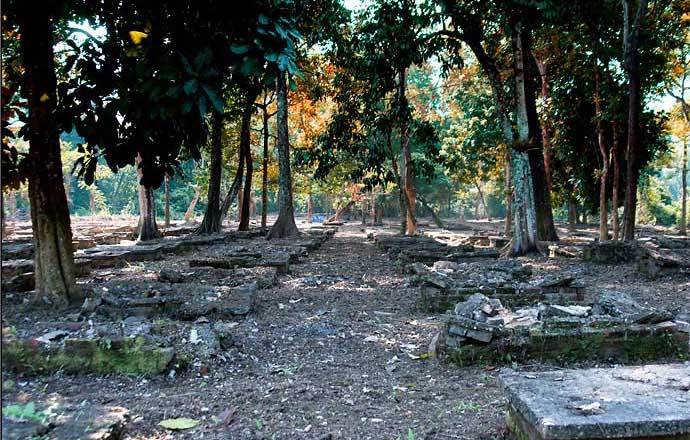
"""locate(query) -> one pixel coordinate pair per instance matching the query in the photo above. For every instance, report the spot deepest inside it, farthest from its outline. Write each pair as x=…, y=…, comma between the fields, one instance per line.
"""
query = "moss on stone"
x=100, y=355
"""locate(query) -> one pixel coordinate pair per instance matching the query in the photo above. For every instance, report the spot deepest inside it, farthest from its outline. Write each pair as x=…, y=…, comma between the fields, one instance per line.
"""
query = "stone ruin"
x=423, y=249
x=613, y=327
x=143, y=326
x=445, y=283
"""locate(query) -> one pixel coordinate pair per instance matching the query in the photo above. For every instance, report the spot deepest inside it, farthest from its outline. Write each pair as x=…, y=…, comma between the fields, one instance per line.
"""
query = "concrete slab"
x=645, y=402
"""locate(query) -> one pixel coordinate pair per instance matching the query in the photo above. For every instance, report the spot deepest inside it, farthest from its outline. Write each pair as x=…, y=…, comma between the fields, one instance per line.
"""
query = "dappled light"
x=345, y=219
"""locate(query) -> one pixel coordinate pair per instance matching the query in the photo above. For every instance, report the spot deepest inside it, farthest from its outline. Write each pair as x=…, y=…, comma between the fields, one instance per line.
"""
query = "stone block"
x=649, y=402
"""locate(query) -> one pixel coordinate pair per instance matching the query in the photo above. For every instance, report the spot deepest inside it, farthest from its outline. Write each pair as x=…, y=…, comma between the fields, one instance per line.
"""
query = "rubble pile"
x=614, y=327
x=446, y=282
x=413, y=249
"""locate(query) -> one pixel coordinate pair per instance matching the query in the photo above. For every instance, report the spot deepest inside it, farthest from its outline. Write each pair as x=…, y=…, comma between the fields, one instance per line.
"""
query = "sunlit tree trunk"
x=684, y=190
x=572, y=214
x=167, y=201
x=603, y=150
x=615, y=224
x=264, y=170
x=234, y=189
x=212, y=217
x=245, y=145
x=310, y=208
x=525, y=219
x=52, y=234
x=411, y=221
x=148, y=229
x=545, y=129
x=285, y=224
x=190, y=209
x=631, y=37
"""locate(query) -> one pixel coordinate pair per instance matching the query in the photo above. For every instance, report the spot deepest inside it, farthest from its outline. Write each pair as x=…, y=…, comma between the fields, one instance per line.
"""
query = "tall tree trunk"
x=616, y=181
x=603, y=150
x=632, y=67
x=397, y=173
x=245, y=145
x=684, y=191
x=167, y=201
x=525, y=214
x=148, y=229
x=482, y=200
x=572, y=214
x=546, y=229
x=545, y=129
x=372, y=209
x=310, y=208
x=52, y=234
x=234, y=189
x=264, y=170
x=285, y=224
x=240, y=201
x=212, y=217
x=509, y=195
x=411, y=221
x=430, y=208
x=190, y=209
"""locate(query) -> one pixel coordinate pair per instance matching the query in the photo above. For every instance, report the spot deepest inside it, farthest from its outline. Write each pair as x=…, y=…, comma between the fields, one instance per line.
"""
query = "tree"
x=53, y=255
x=284, y=225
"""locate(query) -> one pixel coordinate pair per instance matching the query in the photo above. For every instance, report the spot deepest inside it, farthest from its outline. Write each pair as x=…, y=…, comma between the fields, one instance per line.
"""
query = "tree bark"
x=631, y=64
x=545, y=129
x=411, y=221
x=285, y=224
x=684, y=191
x=509, y=195
x=525, y=218
x=52, y=234
x=310, y=208
x=616, y=181
x=546, y=229
x=148, y=229
x=429, y=208
x=212, y=217
x=245, y=146
x=234, y=189
x=190, y=209
x=482, y=200
x=572, y=214
x=167, y=201
x=603, y=150
x=337, y=217
x=264, y=170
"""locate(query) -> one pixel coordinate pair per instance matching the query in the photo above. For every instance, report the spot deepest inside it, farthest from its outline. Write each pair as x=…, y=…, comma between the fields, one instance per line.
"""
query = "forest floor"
x=330, y=352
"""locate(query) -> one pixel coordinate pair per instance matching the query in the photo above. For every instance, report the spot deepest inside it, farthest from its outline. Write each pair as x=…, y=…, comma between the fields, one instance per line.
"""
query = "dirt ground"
x=331, y=352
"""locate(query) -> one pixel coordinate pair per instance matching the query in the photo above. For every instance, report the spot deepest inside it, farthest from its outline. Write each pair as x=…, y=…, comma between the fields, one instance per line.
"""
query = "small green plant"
x=259, y=424
x=467, y=405
x=24, y=412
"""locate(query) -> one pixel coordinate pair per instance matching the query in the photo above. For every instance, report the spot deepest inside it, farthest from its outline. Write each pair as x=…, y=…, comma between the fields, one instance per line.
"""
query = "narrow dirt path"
x=326, y=355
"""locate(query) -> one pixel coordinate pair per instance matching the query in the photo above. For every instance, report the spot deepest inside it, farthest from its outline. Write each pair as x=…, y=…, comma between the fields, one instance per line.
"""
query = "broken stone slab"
x=498, y=242
x=573, y=310
x=226, y=303
x=557, y=281
x=470, y=329
x=647, y=402
x=82, y=355
x=226, y=263
x=621, y=304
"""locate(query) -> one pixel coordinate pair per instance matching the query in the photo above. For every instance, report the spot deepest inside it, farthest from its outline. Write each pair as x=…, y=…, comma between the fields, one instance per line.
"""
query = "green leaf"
x=215, y=100
x=239, y=49
x=202, y=106
x=179, y=424
x=271, y=57
x=292, y=85
x=190, y=86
